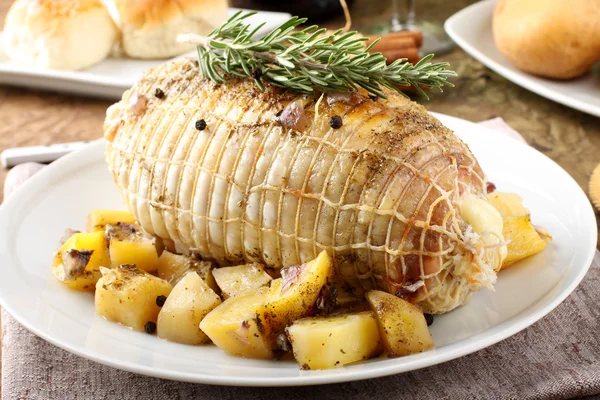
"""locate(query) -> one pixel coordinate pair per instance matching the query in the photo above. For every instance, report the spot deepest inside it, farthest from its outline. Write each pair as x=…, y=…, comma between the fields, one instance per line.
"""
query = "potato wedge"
x=508, y=204
x=77, y=262
x=127, y=295
x=234, y=280
x=524, y=239
x=402, y=325
x=128, y=244
x=98, y=219
x=320, y=343
x=172, y=267
x=296, y=297
x=189, y=302
x=233, y=326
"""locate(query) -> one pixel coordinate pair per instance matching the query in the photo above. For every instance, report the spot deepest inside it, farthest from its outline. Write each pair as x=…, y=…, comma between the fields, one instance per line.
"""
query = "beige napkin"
x=556, y=358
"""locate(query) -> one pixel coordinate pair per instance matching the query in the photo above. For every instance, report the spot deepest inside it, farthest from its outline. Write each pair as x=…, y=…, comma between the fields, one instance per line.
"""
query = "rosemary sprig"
x=308, y=59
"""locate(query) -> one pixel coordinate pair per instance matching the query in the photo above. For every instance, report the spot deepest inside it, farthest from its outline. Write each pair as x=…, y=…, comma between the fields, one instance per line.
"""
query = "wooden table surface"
x=569, y=137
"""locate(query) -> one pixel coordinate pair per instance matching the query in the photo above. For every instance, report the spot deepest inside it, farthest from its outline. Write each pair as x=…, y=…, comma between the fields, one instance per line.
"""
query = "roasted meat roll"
x=234, y=174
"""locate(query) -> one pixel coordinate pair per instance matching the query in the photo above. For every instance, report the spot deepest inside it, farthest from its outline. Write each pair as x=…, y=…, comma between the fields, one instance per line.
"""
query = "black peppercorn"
x=257, y=73
x=335, y=122
x=201, y=124
x=373, y=97
x=428, y=319
x=160, y=300
x=150, y=327
x=158, y=93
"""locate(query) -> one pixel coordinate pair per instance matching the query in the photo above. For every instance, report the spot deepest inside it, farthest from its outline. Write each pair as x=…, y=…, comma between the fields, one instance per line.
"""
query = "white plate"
x=35, y=216
x=108, y=79
x=471, y=29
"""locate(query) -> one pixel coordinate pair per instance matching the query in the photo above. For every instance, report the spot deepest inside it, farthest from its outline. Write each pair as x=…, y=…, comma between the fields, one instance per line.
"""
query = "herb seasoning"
x=308, y=60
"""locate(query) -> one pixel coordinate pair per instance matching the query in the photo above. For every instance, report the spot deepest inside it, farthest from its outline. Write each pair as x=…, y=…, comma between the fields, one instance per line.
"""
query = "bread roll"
x=551, y=38
x=150, y=27
x=58, y=34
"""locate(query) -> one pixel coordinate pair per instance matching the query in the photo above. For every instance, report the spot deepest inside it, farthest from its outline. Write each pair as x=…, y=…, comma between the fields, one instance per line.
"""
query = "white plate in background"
x=471, y=29
x=108, y=79
x=34, y=218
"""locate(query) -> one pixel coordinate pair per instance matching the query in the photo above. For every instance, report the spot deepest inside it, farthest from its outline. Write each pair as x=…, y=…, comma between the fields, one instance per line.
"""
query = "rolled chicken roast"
x=233, y=175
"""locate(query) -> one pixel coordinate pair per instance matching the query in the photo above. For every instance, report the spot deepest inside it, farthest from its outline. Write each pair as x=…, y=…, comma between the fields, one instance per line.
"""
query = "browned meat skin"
x=380, y=193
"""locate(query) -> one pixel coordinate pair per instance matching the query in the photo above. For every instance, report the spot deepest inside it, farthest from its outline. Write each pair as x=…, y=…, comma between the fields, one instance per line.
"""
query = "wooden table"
x=569, y=137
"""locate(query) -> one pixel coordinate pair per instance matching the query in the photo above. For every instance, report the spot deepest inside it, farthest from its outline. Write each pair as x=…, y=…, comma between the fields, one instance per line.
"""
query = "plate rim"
x=516, y=76
x=455, y=350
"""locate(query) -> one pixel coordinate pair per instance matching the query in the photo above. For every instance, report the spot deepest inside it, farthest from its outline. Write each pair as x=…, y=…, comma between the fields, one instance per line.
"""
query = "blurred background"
x=375, y=17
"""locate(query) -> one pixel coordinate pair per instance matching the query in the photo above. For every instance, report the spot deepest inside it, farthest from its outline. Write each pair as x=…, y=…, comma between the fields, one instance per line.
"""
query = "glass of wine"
x=403, y=17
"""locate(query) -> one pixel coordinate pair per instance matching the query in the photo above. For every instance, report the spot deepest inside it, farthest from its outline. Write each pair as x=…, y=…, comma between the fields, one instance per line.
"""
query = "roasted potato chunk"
x=172, y=267
x=402, y=325
x=234, y=280
x=296, y=296
x=508, y=204
x=77, y=262
x=128, y=244
x=98, y=219
x=234, y=326
x=127, y=294
x=524, y=239
x=189, y=302
x=320, y=343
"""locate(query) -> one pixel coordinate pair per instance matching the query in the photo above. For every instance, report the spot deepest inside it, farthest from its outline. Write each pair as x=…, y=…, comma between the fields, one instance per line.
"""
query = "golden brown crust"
x=149, y=13
x=49, y=9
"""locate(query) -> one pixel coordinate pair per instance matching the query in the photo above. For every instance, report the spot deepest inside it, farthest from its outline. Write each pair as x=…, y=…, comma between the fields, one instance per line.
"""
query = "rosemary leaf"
x=309, y=59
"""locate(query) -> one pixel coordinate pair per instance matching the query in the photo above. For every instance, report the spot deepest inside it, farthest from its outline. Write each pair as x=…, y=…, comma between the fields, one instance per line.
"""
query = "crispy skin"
x=380, y=193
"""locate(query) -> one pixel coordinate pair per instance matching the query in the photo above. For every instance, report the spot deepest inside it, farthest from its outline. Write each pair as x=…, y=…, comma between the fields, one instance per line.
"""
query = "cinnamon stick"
x=411, y=53
x=417, y=36
x=394, y=43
